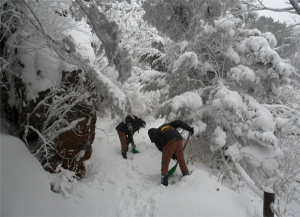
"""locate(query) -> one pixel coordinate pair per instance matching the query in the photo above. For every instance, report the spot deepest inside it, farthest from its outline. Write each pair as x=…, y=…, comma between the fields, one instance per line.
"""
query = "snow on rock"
x=25, y=188
x=42, y=68
x=241, y=72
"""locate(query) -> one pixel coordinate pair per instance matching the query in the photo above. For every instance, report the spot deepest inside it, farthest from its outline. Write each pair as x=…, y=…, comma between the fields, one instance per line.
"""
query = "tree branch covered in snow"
x=294, y=8
x=109, y=34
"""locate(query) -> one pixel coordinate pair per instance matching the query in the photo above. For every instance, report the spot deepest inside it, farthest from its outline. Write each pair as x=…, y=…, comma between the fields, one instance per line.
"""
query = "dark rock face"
x=74, y=146
x=66, y=123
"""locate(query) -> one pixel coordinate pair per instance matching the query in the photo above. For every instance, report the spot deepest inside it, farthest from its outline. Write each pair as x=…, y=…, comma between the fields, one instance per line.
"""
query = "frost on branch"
x=151, y=58
x=257, y=56
x=183, y=20
x=249, y=119
x=219, y=139
x=113, y=99
x=185, y=62
x=109, y=35
x=241, y=72
x=176, y=18
x=180, y=107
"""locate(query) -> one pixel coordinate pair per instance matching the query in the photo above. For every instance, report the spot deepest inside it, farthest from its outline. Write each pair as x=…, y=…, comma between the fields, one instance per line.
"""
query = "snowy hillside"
x=114, y=186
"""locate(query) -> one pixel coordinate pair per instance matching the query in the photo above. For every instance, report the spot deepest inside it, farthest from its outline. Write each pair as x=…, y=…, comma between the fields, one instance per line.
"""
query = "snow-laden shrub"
x=233, y=130
x=150, y=58
x=227, y=118
x=185, y=62
x=173, y=18
x=286, y=178
x=113, y=99
x=180, y=107
x=142, y=102
x=270, y=38
x=148, y=75
x=243, y=116
x=242, y=73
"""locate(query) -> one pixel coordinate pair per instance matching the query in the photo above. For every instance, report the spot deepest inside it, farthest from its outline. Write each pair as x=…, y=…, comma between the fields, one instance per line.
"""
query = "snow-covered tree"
x=52, y=84
x=233, y=70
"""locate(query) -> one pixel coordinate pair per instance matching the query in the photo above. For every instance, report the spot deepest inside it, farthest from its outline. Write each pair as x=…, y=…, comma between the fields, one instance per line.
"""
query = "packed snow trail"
x=137, y=182
x=114, y=186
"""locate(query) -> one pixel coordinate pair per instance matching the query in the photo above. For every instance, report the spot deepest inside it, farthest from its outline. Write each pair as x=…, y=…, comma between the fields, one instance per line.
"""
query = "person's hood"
x=151, y=134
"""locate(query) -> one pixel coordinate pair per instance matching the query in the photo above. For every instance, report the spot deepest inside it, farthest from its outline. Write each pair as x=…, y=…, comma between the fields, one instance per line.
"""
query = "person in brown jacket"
x=169, y=141
x=126, y=131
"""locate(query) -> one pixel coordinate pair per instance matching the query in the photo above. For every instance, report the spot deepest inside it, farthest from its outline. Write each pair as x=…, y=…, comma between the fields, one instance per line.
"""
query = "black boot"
x=186, y=173
x=164, y=180
x=124, y=154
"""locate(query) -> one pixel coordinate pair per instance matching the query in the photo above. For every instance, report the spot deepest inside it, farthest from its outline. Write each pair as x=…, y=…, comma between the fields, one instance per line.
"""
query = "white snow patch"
x=270, y=38
x=241, y=72
x=219, y=138
x=187, y=100
x=227, y=98
x=186, y=61
x=233, y=55
x=149, y=75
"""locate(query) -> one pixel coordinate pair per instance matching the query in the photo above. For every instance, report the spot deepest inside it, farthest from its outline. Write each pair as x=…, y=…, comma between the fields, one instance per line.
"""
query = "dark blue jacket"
x=134, y=121
x=167, y=133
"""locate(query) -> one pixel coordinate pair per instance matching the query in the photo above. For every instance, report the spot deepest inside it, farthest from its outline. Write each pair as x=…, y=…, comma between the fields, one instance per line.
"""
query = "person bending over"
x=169, y=141
x=126, y=131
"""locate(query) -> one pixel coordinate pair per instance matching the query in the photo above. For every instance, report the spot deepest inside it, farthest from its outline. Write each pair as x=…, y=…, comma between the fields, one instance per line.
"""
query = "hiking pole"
x=173, y=169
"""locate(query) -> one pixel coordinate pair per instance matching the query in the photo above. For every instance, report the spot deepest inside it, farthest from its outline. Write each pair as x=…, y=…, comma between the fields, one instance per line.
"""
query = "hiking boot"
x=186, y=173
x=124, y=154
x=164, y=180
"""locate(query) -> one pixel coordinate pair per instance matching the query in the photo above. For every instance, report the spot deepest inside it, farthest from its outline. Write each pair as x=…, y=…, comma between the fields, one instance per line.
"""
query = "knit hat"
x=140, y=122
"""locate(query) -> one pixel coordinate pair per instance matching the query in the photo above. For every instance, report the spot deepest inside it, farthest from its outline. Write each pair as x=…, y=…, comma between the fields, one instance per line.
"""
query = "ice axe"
x=173, y=169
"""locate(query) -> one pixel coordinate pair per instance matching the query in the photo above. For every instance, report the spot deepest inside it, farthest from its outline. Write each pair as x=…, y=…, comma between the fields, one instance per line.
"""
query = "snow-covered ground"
x=114, y=186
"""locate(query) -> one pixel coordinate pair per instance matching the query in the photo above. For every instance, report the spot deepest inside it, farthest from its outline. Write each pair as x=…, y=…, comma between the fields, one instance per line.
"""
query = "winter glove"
x=134, y=151
x=192, y=131
x=133, y=145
